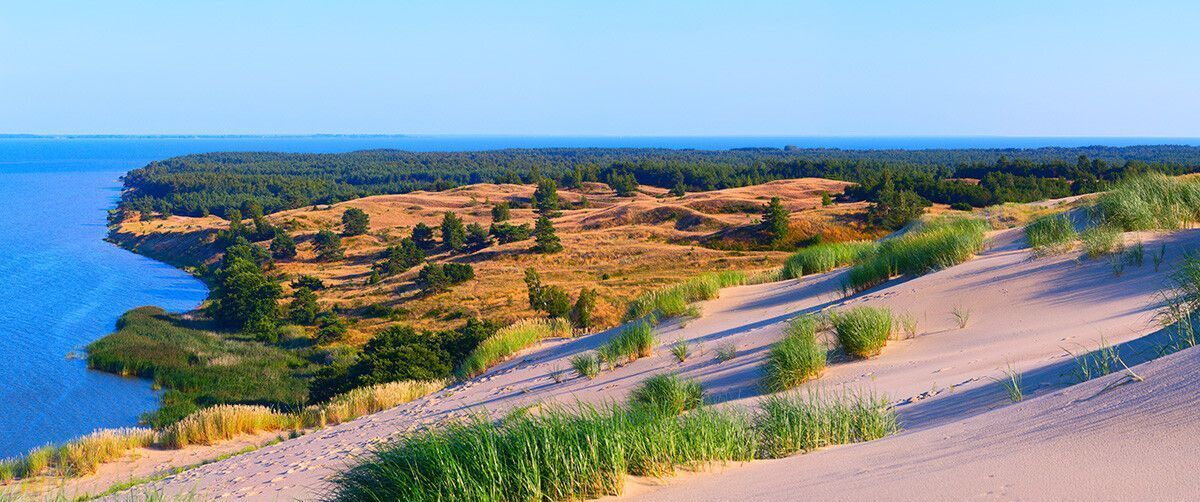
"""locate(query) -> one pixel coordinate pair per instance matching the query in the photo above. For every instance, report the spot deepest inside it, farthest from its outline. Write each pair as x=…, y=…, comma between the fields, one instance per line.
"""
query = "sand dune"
x=1023, y=312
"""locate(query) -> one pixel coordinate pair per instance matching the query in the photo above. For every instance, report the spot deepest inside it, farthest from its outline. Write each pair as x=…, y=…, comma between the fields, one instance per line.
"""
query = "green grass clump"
x=795, y=359
x=673, y=301
x=555, y=455
x=726, y=352
x=199, y=364
x=938, y=244
x=680, y=350
x=863, y=331
x=1101, y=240
x=1051, y=233
x=510, y=340
x=1151, y=202
x=586, y=453
x=793, y=422
x=825, y=257
x=586, y=365
x=668, y=393
x=632, y=343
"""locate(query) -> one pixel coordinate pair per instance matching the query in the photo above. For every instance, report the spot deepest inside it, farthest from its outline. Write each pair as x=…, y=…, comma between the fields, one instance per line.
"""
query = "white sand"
x=1023, y=312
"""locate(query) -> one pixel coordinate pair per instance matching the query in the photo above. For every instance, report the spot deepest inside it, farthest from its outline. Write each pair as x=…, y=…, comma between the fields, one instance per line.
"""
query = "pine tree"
x=283, y=247
x=355, y=221
x=501, y=212
x=547, y=239
x=422, y=235
x=775, y=221
x=329, y=246
x=454, y=234
x=545, y=198
x=583, y=313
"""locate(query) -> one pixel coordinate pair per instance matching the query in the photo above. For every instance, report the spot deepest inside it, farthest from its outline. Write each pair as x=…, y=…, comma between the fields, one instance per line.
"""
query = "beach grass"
x=1151, y=201
x=796, y=358
x=1051, y=233
x=863, y=331
x=668, y=393
x=586, y=365
x=680, y=350
x=673, y=301
x=509, y=340
x=824, y=257
x=366, y=400
x=633, y=342
x=794, y=422
x=935, y=245
x=1101, y=240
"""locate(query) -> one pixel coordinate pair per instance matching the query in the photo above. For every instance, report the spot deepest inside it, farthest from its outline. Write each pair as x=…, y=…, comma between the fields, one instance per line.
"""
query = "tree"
x=422, y=235
x=308, y=281
x=245, y=298
x=533, y=285
x=304, y=307
x=332, y=328
x=624, y=184
x=244, y=250
x=477, y=237
x=892, y=208
x=252, y=209
x=283, y=247
x=401, y=257
x=545, y=198
x=355, y=221
x=507, y=232
x=678, y=188
x=583, y=313
x=400, y=353
x=329, y=246
x=235, y=222
x=555, y=301
x=826, y=200
x=454, y=235
x=438, y=277
x=501, y=212
x=775, y=221
x=547, y=239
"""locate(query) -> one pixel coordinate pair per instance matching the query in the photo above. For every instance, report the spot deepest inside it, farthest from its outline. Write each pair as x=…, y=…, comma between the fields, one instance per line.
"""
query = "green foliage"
x=894, y=208
x=198, y=364
x=668, y=393
x=726, y=352
x=400, y=353
x=507, y=232
x=308, y=281
x=440, y=277
x=399, y=258
x=454, y=234
x=245, y=299
x=508, y=341
x=827, y=256
x=938, y=244
x=1150, y=202
x=1101, y=240
x=501, y=212
x=545, y=198
x=793, y=422
x=328, y=245
x=283, y=246
x=624, y=184
x=304, y=307
x=1051, y=233
x=583, y=312
x=422, y=236
x=586, y=365
x=355, y=221
x=673, y=300
x=332, y=328
x=826, y=200
x=680, y=350
x=863, y=331
x=632, y=343
x=477, y=237
x=775, y=222
x=796, y=358
x=547, y=239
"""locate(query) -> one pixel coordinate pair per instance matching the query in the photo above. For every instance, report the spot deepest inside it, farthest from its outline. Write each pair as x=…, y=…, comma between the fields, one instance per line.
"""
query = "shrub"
x=797, y=358
x=1101, y=240
x=1051, y=233
x=825, y=257
x=863, y=331
x=1150, y=202
x=586, y=365
x=673, y=301
x=509, y=340
x=668, y=393
x=329, y=246
x=583, y=313
x=793, y=422
x=938, y=244
x=355, y=221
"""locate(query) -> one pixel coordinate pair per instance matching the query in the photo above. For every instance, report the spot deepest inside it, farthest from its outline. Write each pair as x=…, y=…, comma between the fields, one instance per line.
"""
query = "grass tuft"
x=510, y=340
x=668, y=393
x=793, y=422
x=938, y=244
x=1101, y=240
x=1051, y=233
x=586, y=365
x=797, y=358
x=824, y=257
x=1150, y=202
x=366, y=400
x=863, y=331
x=632, y=343
x=673, y=301
x=680, y=350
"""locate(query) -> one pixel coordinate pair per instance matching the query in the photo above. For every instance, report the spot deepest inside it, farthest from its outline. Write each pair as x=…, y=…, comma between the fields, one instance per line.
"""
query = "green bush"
x=797, y=358
x=668, y=393
x=824, y=257
x=935, y=245
x=863, y=331
x=1051, y=233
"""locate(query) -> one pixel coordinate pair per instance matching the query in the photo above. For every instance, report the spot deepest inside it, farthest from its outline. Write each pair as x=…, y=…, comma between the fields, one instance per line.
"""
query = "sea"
x=62, y=286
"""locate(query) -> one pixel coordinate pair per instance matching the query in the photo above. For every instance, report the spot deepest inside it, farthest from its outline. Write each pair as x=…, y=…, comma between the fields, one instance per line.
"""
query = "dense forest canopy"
x=214, y=183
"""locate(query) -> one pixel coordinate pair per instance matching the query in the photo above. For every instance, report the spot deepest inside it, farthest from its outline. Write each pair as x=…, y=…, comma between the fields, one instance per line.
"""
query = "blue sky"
x=1018, y=68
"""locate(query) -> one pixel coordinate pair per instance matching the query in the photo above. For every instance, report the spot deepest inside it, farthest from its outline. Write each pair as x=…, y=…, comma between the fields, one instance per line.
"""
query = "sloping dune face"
x=1023, y=312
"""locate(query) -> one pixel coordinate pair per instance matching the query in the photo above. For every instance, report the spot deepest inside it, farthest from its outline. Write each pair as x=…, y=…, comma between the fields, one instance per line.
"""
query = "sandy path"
x=1023, y=311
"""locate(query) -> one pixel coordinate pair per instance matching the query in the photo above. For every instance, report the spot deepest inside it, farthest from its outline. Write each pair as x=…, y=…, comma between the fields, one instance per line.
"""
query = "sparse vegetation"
x=1150, y=202
x=937, y=244
x=1012, y=384
x=862, y=331
x=961, y=315
x=680, y=350
x=1101, y=240
x=632, y=343
x=668, y=393
x=1051, y=233
x=586, y=365
x=824, y=257
x=796, y=358
x=725, y=352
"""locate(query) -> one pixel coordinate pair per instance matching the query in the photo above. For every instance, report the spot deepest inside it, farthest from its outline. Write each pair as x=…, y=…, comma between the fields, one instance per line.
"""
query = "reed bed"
x=938, y=244
x=824, y=257
x=796, y=358
x=1051, y=233
x=510, y=340
x=863, y=331
x=586, y=452
x=673, y=301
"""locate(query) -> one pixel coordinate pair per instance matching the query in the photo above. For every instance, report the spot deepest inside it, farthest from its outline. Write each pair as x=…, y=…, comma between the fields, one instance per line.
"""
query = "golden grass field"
x=619, y=246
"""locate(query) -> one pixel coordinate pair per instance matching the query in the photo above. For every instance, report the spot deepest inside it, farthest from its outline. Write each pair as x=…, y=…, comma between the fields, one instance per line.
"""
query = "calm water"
x=62, y=286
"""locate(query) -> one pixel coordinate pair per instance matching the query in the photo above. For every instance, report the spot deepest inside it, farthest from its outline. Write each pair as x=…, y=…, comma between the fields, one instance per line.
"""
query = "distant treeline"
x=213, y=183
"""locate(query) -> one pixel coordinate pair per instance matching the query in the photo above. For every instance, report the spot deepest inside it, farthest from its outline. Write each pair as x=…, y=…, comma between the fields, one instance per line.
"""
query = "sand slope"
x=1024, y=311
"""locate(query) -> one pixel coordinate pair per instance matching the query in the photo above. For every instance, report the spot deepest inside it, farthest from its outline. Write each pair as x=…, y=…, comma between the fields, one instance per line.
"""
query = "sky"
x=678, y=68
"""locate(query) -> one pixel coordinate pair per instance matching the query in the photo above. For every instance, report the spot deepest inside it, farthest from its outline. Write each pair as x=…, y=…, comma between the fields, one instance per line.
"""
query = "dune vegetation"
x=1051, y=233
x=826, y=256
x=668, y=393
x=796, y=358
x=862, y=331
x=585, y=452
x=1150, y=202
x=510, y=340
x=633, y=342
x=931, y=246
x=674, y=300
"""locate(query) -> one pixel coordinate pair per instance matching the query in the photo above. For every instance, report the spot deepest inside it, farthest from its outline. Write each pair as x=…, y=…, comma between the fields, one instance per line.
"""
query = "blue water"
x=62, y=286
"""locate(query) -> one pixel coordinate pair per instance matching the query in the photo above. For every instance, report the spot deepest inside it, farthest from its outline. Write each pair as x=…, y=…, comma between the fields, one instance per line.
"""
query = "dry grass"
x=223, y=422
x=367, y=400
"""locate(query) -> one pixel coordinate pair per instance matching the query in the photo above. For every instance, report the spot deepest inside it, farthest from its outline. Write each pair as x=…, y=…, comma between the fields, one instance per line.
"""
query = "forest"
x=215, y=183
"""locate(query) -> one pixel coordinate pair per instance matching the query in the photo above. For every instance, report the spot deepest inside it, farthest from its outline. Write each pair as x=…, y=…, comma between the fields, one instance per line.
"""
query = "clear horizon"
x=629, y=69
